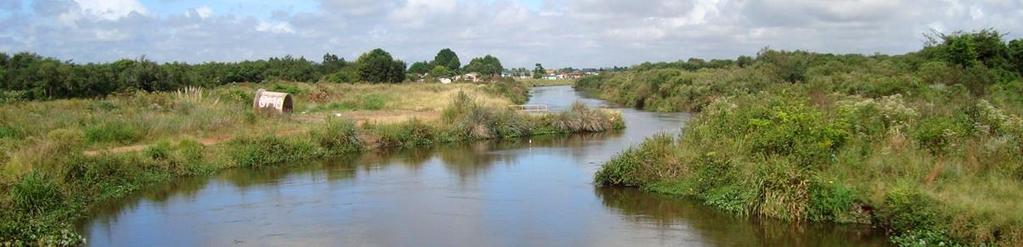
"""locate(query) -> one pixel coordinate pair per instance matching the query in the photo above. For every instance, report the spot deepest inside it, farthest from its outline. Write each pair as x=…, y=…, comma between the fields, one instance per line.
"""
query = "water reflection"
x=722, y=229
x=533, y=192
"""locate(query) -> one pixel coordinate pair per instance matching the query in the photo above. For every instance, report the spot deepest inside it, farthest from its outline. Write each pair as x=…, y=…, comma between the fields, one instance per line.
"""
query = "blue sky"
x=557, y=33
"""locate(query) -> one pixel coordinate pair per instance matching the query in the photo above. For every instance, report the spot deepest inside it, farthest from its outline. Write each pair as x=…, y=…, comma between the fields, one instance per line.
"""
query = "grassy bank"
x=930, y=150
x=49, y=182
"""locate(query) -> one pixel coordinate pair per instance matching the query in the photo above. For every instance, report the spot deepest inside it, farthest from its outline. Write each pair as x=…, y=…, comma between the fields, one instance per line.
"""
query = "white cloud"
x=275, y=27
x=204, y=12
x=111, y=9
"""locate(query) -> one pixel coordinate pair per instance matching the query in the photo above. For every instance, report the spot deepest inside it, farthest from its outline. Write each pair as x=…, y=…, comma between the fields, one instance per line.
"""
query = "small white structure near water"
x=272, y=101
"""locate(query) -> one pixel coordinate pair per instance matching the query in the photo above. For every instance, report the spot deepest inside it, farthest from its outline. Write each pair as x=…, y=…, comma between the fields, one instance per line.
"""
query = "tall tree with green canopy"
x=1016, y=54
x=332, y=63
x=539, y=71
x=486, y=65
x=447, y=58
x=378, y=66
x=419, y=68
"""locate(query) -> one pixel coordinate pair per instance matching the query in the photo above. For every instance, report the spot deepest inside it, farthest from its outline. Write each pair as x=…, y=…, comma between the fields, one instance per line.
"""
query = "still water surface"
x=529, y=192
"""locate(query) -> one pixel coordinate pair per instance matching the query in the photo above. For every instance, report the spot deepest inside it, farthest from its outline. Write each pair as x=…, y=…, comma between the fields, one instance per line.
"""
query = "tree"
x=539, y=72
x=1016, y=54
x=744, y=61
x=486, y=65
x=440, y=71
x=332, y=63
x=419, y=68
x=447, y=58
x=378, y=66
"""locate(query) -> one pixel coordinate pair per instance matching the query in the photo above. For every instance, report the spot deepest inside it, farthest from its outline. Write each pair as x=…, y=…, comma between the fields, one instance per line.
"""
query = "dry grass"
x=131, y=122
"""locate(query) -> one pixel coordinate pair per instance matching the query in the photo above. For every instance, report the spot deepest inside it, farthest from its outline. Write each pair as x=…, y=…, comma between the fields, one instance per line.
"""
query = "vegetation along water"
x=928, y=145
x=61, y=157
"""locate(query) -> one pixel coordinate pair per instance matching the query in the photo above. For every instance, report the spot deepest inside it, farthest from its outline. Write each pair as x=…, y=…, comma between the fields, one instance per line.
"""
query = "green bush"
x=8, y=132
x=337, y=136
x=36, y=194
x=373, y=102
x=269, y=150
x=937, y=134
x=831, y=200
x=632, y=167
x=113, y=131
x=406, y=134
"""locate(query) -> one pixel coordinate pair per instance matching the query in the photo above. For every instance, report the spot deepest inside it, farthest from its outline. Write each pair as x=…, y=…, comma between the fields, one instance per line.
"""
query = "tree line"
x=29, y=76
x=447, y=64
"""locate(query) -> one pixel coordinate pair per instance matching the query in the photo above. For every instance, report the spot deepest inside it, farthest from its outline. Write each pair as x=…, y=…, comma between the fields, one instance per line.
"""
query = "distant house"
x=473, y=77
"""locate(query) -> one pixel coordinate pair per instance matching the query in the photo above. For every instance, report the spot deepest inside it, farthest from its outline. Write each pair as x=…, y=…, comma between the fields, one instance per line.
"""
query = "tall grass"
x=929, y=174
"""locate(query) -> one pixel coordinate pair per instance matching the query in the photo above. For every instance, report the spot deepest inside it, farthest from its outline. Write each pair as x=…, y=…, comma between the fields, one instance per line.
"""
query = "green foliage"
x=831, y=201
x=1015, y=50
x=580, y=118
x=447, y=59
x=632, y=166
x=30, y=76
x=337, y=137
x=269, y=150
x=114, y=131
x=789, y=66
x=516, y=91
x=908, y=208
x=346, y=75
x=410, y=133
x=487, y=65
x=440, y=71
x=36, y=194
x=332, y=64
x=377, y=66
x=539, y=71
x=939, y=133
x=420, y=68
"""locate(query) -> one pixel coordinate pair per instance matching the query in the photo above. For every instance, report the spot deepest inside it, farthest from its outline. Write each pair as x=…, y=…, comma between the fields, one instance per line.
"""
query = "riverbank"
x=930, y=151
x=49, y=182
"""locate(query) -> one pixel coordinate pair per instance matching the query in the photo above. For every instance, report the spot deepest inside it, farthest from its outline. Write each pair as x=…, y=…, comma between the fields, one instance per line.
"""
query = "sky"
x=556, y=33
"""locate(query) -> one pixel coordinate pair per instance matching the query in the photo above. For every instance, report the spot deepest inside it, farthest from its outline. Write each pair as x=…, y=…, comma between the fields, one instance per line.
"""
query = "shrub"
x=793, y=130
x=938, y=133
x=8, y=132
x=36, y=194
x=581, y=118
x=269, y=150
x=113, y=131
x=373, y=102
x=337, y=136
x=634, y=166
x=406, y=134
x=830, y=200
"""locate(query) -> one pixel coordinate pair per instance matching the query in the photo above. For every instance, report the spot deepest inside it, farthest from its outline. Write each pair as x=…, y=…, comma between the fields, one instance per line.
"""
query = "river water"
x=529, y=192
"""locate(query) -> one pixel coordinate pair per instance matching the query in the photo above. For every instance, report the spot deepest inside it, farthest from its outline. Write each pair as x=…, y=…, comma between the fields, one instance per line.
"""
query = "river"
x=530, y=192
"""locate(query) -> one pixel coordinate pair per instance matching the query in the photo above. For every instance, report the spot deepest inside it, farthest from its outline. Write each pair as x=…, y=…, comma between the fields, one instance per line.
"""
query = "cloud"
x=578, y=33
x=202, y=12
x=111, y=9
x=274, y=27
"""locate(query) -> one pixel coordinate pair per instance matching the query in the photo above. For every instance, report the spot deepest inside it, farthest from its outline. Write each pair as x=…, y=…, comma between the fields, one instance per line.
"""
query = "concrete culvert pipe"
x=272, y=101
